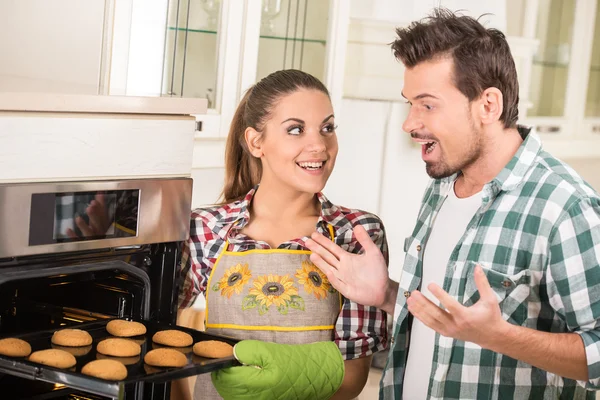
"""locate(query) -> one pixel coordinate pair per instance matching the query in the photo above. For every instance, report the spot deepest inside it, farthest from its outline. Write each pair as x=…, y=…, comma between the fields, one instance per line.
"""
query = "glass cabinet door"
x=592, y=105
x=191, y=48
x=551, y=63
x=293, y=34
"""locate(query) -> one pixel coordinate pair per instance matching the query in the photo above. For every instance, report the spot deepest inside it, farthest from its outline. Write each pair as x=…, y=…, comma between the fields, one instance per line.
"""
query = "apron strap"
x=331, y=232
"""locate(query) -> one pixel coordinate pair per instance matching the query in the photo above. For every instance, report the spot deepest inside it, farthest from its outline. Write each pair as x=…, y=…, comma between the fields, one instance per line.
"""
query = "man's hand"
x=362, y=278
x=470, y=324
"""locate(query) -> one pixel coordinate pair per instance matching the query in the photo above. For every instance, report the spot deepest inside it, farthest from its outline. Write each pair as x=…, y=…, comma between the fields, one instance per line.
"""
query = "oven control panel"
x=45, y=218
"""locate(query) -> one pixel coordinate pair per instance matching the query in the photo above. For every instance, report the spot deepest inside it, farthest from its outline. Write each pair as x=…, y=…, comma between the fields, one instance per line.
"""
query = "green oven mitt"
x=272, y=371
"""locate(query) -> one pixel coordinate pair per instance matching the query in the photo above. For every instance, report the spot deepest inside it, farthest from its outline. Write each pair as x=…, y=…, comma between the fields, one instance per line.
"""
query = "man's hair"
x=481, y=56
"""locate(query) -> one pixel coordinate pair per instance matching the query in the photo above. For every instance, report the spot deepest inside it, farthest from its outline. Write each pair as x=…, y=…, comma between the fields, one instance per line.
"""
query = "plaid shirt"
x=537, y=237
x=359, y=331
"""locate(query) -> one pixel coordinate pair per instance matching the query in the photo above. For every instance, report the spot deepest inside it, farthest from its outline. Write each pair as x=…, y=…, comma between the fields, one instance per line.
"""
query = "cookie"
x=173, y=337
x=105, y=369
x=165, y=358
x=122, y=360
x=184, y=350
x=13, y=347
x=123, y=328
x=53, y=358
x=71, y=338
x=213, y=349
x=76, y=351
x=118, y=347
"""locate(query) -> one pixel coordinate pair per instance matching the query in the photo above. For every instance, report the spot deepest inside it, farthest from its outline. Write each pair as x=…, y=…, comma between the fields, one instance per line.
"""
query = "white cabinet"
x=58, y=137
x=563, y=77
x=591, y=123
x=217, y=49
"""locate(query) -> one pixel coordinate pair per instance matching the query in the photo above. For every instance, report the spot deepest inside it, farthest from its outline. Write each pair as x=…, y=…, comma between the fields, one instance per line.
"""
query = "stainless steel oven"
x=80, y=254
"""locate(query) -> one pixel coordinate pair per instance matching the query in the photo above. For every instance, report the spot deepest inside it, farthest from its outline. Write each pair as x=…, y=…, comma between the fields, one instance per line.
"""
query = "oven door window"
x=78, y=216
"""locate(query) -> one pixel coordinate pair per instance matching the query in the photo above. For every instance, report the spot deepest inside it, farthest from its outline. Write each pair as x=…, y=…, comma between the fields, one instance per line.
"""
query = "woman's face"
x=298, y=145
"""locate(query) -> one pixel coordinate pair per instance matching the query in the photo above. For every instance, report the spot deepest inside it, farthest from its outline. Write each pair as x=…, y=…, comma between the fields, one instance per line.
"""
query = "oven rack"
x=137, y=372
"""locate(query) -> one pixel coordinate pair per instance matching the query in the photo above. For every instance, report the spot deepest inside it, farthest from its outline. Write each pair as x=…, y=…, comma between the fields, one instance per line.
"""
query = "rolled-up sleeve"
x=362, y=330
x=193, y=271
x=573, y=278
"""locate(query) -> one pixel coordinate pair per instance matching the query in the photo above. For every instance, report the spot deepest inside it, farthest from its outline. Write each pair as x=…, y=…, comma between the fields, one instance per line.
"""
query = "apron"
x=273, y=295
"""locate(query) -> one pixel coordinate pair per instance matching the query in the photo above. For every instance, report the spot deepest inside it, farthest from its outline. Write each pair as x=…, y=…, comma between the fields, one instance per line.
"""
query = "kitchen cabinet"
x=592, y=100
x=563, y=83
x=216, y=49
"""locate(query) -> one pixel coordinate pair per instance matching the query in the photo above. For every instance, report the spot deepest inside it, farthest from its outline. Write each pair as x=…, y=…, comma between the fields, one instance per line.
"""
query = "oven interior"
x=49, y=293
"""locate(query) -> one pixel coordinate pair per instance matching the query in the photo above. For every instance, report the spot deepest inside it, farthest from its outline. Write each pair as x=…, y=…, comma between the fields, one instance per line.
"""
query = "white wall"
x=51, y=46
x=403, y=11
x=356, y=179
x=588, y=169
x=208, y=183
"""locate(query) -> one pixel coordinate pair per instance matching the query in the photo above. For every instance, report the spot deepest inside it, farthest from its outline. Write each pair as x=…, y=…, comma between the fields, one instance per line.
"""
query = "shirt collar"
x=513, y=174
x=237, y=215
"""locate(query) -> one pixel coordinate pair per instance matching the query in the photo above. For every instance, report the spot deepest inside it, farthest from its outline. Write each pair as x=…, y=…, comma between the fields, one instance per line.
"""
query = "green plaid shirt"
x=537, y=237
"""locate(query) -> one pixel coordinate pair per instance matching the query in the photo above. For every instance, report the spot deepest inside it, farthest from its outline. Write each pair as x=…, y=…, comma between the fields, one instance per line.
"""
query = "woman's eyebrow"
x=293, y=119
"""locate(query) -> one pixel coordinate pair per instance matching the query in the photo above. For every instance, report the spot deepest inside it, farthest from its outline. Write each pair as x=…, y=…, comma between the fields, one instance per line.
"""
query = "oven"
x=78, y=254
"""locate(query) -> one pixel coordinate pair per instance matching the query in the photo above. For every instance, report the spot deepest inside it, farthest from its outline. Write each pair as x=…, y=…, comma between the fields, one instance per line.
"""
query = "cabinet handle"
x=596, y=128
x=548, y=129
x=199, y=126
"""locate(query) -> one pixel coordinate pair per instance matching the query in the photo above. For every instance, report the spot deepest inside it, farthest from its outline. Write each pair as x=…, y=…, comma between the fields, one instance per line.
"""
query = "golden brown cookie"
x=54, y=358
x=165, y=358
x=72, y=338
x=76, y=351
x=213, y=349
x=184, y=350
x=119, y=347
x=122, y=360
x=14, y=347
x=105, y=369
x=173, y=337
x=123, y=328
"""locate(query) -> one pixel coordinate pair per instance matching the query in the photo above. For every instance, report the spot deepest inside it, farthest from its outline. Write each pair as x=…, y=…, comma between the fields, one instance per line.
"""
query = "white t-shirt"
x=449, y=226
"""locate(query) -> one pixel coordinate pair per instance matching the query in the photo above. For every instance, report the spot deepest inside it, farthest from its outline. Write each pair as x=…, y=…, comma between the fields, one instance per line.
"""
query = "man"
x=500, y=292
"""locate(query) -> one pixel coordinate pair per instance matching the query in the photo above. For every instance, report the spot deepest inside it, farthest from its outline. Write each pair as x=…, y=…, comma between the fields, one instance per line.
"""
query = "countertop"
x=73, y=103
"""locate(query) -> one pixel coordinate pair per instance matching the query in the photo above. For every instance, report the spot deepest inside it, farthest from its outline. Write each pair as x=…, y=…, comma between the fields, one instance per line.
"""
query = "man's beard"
x=442, y=169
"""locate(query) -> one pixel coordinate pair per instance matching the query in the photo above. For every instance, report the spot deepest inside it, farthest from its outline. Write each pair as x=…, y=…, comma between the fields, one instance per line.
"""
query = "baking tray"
x=137, y=370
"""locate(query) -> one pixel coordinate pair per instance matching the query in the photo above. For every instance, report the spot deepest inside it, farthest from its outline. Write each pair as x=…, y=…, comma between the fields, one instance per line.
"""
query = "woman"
x=247, y=255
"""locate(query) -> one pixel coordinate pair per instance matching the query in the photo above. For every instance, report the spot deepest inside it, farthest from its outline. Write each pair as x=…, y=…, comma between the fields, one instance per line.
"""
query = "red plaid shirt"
x=359, y=331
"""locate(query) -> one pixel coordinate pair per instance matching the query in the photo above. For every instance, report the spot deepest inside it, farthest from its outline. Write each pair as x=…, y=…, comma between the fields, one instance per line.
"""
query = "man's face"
x=441, y=118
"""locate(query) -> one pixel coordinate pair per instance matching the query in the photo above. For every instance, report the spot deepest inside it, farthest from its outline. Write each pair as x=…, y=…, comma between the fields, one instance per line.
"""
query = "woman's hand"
x=362, y=278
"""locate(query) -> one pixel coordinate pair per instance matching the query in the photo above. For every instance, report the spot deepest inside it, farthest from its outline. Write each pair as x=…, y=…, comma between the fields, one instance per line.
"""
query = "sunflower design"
x=233, y=280
x=273, y=290
x=314, y=280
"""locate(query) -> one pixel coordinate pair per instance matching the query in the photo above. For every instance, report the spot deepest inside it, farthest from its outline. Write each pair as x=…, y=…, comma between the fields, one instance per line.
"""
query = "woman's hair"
x=481, y=56
x=242, y=170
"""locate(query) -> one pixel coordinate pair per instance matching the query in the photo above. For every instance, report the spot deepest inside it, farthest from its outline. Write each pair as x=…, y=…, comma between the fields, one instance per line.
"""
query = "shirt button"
x=506, y=284
x=407, y=294
x=418, y=247
x=392, y=340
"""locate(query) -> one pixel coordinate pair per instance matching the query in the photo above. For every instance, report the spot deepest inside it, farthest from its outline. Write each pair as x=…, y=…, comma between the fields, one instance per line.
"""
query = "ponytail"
x=242, y=170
